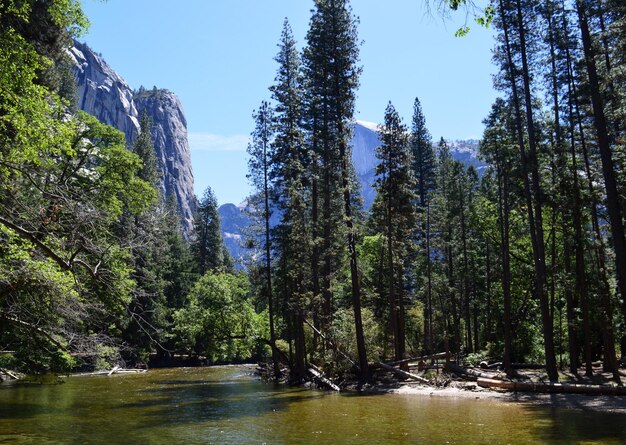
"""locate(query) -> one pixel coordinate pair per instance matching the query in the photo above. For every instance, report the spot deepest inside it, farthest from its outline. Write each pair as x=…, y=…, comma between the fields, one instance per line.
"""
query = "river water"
x=229, y=405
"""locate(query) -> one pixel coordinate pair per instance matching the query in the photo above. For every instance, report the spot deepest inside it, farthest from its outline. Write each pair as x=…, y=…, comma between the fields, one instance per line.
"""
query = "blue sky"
x=218, y=57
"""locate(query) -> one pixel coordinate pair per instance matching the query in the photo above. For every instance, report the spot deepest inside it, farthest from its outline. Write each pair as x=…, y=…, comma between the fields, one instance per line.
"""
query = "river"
x=229, y=405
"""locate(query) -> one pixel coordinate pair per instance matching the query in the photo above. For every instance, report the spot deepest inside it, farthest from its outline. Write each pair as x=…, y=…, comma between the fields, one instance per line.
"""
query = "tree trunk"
x=529, y=165
x=429, y=295
x=610, y=182
x=268, y=263
x=610, y=360
x=465, y=285
x=503, y=217
x=539, y=248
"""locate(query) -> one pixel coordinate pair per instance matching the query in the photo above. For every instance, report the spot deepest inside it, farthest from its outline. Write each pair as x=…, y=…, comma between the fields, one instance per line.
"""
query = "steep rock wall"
x=106, y=95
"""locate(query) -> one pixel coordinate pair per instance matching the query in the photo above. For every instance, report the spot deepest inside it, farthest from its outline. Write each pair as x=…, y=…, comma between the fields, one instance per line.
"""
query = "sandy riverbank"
x=615, y=404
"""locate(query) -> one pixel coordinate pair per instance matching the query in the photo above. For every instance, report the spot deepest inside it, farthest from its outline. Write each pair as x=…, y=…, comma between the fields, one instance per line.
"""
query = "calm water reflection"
x=227, y=405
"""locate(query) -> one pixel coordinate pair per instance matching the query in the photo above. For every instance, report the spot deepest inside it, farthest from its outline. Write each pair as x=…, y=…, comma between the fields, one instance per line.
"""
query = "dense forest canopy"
x=524, y=263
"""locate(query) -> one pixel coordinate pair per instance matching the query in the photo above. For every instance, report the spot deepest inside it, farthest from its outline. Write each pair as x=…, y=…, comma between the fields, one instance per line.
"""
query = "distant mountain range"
x=364, y=142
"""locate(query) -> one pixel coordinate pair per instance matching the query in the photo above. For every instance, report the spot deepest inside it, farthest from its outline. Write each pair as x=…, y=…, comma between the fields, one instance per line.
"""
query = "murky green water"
x=227, y=405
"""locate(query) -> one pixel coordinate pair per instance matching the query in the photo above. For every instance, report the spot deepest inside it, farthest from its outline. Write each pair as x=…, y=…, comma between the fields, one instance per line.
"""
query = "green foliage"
x=107, y=357
x=208, y=247
x=219, y=321
x=64, y=180
x=415, y=328
x=475, y=358
x=144, y=148
x=344, y=335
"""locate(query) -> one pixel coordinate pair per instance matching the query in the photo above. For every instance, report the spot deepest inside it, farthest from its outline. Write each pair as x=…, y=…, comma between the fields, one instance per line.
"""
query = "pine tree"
x=601, y=126
x=148, y=307
x=177, y=263
x=208, y=248
x=332, y=73
x=516, y=45
x=288, y=173
x=259, y=165
x=495, y=147
x=144, y=148
x=395, y=208
x=424, y=172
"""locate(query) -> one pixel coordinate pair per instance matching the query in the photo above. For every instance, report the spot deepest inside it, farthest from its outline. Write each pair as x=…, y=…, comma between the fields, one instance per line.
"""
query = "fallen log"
x=424, y=367
x=9, y=373
x=319, y=377
x=554, y=388
x=423, y=358
x=402, y=373
x=111, y=372
x=472, y=373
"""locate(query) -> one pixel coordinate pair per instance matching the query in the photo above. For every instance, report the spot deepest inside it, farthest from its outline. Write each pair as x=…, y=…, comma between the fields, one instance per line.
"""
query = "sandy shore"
x=615, y=404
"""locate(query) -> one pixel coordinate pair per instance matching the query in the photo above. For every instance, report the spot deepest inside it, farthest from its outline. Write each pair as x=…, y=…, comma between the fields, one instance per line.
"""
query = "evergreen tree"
x=177, y=264
x=290, y=159
x=395, y=214
x=259, y=167
x=207, y=245
x=144, y=148
x=148, y=308
x=518, y=75
x=423, y=155
x=424, y=172
x=332, y=74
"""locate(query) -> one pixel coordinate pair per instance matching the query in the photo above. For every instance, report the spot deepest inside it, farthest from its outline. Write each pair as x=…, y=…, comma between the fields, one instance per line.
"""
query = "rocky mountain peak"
x=106, y=95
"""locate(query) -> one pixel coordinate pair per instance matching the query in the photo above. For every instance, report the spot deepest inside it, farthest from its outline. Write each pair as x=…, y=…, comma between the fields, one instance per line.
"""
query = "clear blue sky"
x=218, y=57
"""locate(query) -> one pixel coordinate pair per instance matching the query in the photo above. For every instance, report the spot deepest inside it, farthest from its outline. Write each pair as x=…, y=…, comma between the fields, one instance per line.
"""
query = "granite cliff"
x=106, y=95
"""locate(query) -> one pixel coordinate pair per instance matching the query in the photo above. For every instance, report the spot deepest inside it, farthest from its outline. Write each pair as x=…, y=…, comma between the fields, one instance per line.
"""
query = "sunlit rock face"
x=106, y=95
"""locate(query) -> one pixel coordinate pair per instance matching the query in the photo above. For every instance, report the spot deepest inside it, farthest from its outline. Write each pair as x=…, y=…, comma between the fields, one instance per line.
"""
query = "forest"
x=522, y=263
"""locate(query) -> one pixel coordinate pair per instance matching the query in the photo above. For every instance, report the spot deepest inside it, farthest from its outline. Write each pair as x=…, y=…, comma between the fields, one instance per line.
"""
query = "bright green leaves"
x=116, y=182
x=24, y=111
x=482, y=16
x=219, y=320
x=68, y=15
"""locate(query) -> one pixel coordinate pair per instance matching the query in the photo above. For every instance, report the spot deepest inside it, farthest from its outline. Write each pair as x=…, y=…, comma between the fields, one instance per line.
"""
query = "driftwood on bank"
x=319, y=377
x=471, y=373
x=402, y=373
x=115, y=370
x=8, y=373
x=561, y=388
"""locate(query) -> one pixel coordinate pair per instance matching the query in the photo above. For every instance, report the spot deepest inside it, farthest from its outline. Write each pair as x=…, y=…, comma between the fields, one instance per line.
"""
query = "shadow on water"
x=23, y=411
x=566, y=418
x=176, y=402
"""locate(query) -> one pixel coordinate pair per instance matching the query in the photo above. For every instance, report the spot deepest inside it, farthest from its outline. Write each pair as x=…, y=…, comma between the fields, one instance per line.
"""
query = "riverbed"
x=230, y=405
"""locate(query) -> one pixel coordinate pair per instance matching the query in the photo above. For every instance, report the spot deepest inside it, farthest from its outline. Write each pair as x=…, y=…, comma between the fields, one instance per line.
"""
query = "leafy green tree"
x=63, y=234
x=219, y=321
